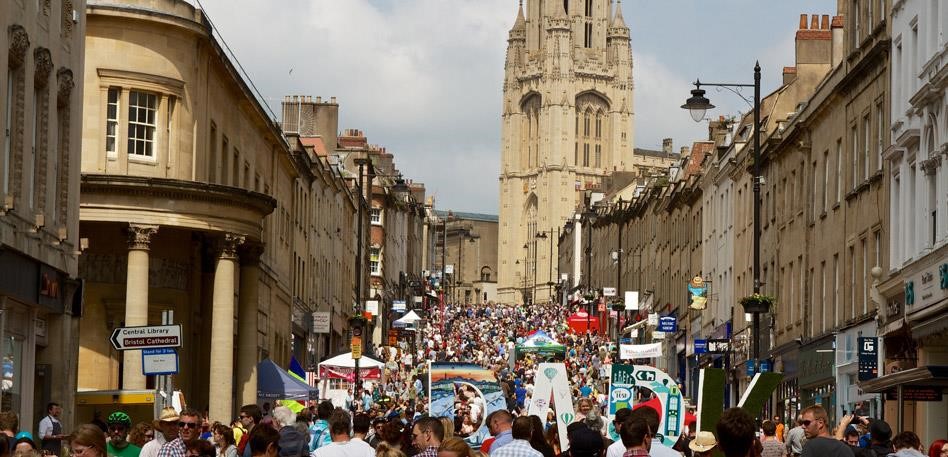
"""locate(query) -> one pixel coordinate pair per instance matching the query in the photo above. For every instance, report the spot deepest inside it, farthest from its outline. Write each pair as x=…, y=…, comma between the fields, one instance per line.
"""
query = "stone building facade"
x=194, y=201
x=40, y=295
x=913, y=293
x=567, y=123
x=471, y=250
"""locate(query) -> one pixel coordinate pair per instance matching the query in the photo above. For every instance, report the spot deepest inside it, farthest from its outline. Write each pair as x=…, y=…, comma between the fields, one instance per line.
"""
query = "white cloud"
x=424, y=77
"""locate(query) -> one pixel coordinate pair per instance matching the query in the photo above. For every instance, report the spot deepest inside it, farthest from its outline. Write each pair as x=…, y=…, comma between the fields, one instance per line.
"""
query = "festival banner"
x=620, y=388
x=640, y=351
x=552, y=380
x=480, y=391
x=621, y=391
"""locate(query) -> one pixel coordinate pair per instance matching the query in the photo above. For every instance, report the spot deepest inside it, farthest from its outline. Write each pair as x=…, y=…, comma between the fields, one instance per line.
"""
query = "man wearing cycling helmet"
x=118, y=446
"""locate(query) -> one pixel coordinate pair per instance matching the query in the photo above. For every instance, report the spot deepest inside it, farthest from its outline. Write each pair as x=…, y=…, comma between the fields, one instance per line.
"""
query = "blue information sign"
x=160, y=361
x=667, y=324
x=701, y=346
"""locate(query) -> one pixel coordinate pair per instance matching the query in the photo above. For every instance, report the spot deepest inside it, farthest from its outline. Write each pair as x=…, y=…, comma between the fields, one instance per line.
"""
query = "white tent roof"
x=346, y=361
x=409, y=318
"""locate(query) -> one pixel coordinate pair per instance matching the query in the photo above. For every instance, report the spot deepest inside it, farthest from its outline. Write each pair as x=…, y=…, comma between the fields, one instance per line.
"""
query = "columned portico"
x=247, y=322
x=220, y=393
x=136, y=298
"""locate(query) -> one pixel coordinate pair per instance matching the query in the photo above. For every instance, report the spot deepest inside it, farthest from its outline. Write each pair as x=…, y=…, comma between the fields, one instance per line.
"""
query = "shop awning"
x=934, y=375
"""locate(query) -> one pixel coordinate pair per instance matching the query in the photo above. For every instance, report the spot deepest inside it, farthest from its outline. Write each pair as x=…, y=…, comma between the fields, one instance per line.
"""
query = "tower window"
x=589, y=8
x=587, y=42
x=586, y=154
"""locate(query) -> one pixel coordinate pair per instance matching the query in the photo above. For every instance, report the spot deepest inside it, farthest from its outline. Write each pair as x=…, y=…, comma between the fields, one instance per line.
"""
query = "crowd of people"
x=389, y=417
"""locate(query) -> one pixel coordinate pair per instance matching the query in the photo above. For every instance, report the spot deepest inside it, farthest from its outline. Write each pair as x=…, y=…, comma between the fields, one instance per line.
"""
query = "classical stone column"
x=221, y=390
x=136, y=298
x=250, y=254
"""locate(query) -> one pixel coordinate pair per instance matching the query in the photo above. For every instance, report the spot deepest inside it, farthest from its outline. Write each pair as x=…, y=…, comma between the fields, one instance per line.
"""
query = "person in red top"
x=250, y=416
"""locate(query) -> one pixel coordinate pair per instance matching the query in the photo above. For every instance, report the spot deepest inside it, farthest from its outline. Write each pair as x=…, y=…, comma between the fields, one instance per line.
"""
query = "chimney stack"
x=837, y=33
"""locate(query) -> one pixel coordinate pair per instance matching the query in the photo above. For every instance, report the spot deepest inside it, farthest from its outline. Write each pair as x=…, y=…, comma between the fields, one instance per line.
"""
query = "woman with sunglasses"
x=87, y=441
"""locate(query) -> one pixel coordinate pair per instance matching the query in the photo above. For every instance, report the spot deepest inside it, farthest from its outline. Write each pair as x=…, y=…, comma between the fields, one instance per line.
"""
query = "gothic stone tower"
x=567, y=123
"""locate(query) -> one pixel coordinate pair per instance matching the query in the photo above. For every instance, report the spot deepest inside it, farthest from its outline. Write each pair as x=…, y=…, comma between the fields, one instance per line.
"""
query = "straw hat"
x=703, y=442
x=168, y=414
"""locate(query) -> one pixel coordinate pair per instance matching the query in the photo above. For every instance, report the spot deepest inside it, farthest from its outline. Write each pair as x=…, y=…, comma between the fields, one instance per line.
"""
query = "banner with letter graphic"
x=550, y=380
x=640, y=351
x=625, y=377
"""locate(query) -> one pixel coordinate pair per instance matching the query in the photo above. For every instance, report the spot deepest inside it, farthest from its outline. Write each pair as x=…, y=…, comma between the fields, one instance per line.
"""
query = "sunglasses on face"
x=188, y=424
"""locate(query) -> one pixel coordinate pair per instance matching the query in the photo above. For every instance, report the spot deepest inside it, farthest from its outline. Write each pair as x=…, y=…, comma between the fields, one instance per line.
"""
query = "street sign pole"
x=165, y=385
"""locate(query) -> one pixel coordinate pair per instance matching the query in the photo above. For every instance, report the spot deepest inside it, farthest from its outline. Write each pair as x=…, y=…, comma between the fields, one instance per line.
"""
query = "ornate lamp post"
x=697, y=105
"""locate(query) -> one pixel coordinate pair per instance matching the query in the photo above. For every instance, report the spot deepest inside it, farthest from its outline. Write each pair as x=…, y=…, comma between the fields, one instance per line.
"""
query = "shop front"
x=852, y=344
x=787, y=397
x=915, y=379
x=38, y=337
x=816, y=375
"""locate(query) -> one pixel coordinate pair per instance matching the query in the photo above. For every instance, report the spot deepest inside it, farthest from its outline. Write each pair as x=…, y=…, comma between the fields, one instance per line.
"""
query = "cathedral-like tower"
x=567, y=123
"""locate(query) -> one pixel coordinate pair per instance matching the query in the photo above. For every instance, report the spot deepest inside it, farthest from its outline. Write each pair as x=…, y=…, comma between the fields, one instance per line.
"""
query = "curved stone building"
x=192, y=201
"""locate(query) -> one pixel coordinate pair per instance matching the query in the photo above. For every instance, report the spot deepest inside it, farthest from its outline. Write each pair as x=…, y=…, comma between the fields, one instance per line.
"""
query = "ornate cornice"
x=139, y=236
x=19, y=43
x=176, y=189
x=65, y=84
x=44, y=66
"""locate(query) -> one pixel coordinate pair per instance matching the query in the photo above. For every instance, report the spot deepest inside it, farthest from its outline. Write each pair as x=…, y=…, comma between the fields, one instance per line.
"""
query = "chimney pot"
x=803, y=18
x=815, y=25
x=332, y=100
x=319, y=99
x=825, y=23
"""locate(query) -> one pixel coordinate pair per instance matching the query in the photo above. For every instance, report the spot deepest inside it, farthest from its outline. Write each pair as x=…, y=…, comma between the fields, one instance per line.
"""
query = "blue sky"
x=423, y=77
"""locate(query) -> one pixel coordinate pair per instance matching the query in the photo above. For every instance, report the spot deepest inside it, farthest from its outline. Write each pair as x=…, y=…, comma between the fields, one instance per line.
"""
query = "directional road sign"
x=147, y=337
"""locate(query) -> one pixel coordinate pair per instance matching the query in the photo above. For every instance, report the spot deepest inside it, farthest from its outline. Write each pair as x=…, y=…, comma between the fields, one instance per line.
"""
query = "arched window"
x=530, y=131
x=592, y=108
x=485, y=274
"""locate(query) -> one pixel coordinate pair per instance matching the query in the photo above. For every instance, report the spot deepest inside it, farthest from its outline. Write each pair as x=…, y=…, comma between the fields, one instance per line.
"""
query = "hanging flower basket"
x=618, y=305
x=757, y=303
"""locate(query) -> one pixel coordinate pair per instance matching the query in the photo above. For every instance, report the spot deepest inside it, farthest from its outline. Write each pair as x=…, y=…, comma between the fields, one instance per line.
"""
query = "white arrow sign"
x=147, y=337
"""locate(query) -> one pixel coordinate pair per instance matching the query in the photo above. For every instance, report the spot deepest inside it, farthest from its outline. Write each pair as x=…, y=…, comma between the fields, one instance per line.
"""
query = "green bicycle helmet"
x=119, y=417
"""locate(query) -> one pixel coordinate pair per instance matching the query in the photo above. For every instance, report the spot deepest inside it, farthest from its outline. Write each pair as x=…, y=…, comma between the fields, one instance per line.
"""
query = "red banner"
x=348, y=374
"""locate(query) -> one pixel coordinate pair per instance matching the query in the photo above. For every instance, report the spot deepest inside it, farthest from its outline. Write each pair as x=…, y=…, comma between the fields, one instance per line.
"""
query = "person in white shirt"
x=51, y=430
x=341, y=445
x=360, y=428
x=658, y=448
x=166, y=429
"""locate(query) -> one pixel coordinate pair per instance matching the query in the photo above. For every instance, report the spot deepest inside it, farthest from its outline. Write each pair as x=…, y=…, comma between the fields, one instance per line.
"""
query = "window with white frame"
x=111, y=122
x=375, y=266
x=375, y=215
x=142, y=110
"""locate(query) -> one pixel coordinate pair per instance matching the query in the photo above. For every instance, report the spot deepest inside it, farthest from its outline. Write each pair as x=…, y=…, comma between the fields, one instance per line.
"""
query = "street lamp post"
x=697, y=105
x=535, y=238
